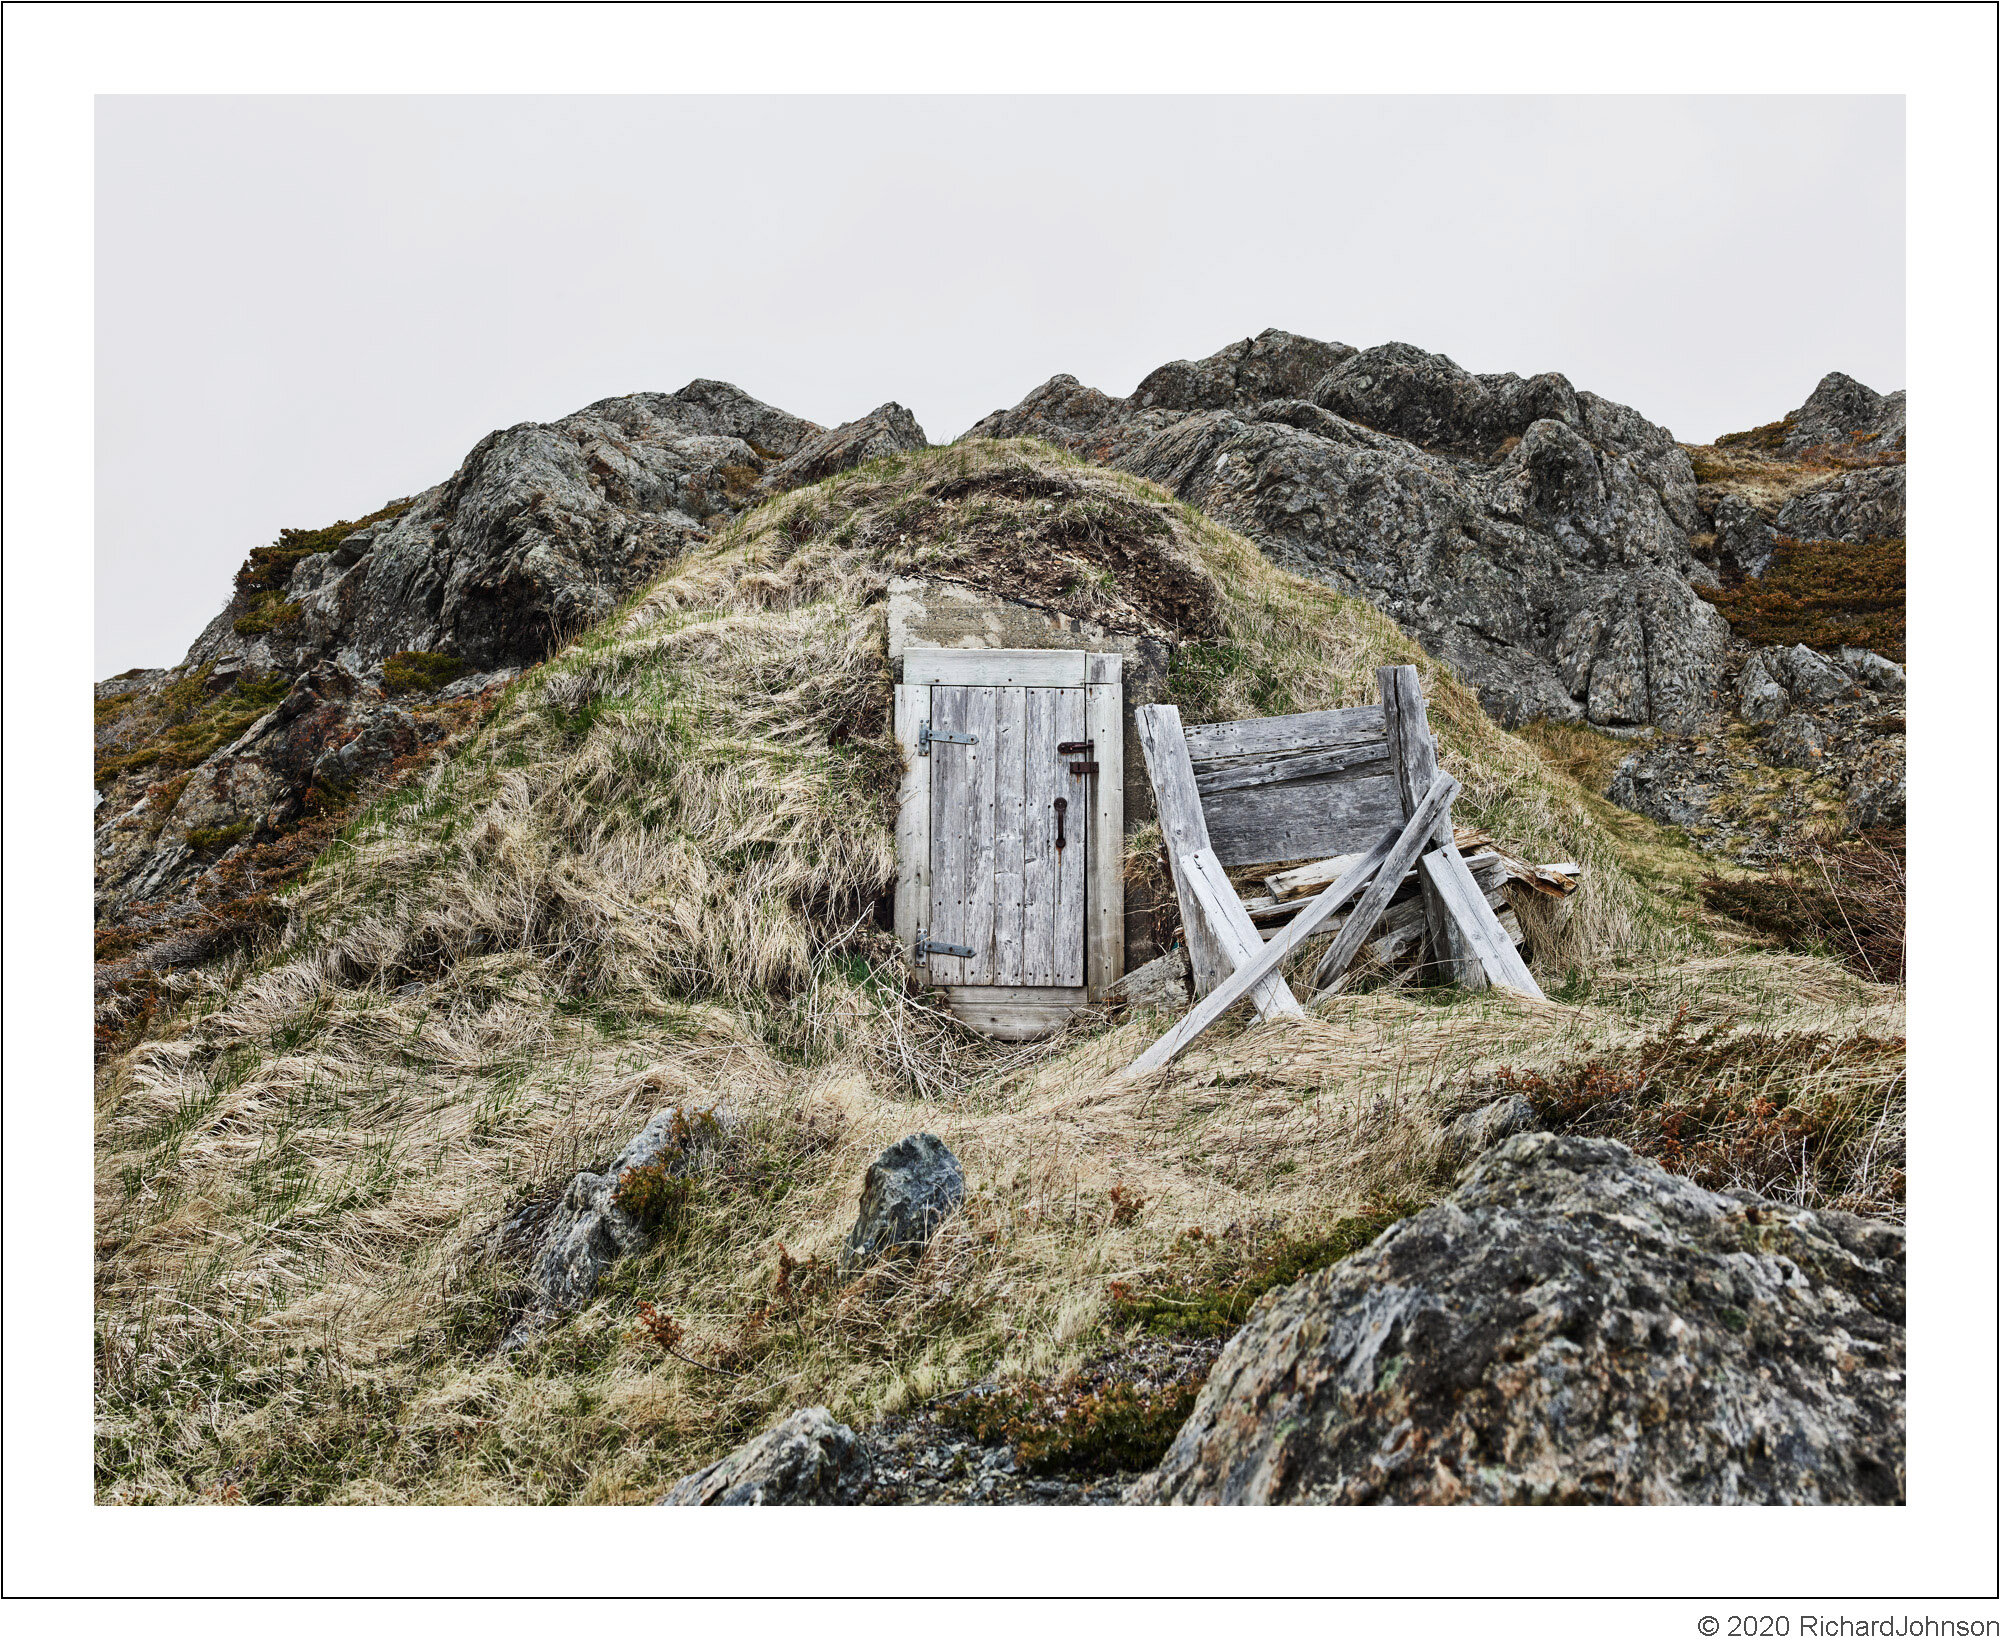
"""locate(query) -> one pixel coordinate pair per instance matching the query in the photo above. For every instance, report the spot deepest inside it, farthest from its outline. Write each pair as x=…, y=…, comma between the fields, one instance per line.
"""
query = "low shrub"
x=407, y=672
x=268, y=614
x=1824, y=595
x=1072, y=1427
x=270, y=566
x=216, y=840
x=1810, y=1119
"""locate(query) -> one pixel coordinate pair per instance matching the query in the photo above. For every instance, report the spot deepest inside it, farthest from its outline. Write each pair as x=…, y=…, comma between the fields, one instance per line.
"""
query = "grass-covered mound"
x=656, y=876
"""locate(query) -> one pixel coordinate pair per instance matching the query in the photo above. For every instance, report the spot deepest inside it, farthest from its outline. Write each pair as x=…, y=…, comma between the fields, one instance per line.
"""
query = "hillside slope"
x=650, y=874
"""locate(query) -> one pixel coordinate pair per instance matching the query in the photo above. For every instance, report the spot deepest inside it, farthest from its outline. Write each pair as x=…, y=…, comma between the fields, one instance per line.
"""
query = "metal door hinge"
x=926, y=737
x=927, y=947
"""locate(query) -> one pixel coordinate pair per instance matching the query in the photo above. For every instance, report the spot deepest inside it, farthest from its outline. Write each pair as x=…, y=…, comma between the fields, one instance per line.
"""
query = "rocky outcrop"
x=1572, y=1325
x=808, y=1458
x=1531, y=534
x=1842, y=412
x=911, y=1188
x=1819, y=739
x=542, y=530
x=603, y=1216
x=886, y=430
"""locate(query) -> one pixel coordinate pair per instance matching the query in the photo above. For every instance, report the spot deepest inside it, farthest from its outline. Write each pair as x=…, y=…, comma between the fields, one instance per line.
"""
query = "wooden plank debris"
x=1466, y=905
x=1414, y=756
x=1265, y=964
x=1416, y=834
x=1209, y=882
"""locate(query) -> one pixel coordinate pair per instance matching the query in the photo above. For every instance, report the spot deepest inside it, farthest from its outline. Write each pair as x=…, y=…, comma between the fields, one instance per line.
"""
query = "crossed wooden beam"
x=1468, y=940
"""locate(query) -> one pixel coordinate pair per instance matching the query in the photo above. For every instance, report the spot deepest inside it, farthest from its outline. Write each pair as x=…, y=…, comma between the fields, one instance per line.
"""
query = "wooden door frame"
x=1101, y=676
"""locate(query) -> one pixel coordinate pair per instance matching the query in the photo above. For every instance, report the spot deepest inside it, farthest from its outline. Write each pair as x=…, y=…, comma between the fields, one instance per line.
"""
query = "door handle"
x=1062, y=807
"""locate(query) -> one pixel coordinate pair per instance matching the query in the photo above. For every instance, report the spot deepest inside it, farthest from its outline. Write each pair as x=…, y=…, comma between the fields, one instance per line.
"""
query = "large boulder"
x=808, y=1458
x=1572, y=1325
x=1531, y=534
x=911, y=1188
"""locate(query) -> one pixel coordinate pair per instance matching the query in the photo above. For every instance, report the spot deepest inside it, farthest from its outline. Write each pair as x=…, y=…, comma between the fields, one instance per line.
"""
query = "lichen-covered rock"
x=1797, y=740
x=599, y=1219
x=1862, y=506
x=911, y=1187
x=808, y=1458
x=1572, y=1325
x=1760, y=700
x=886, y=430
x=1475, y=1133
x=1841, y=411
x=1530, y=534
x=1809, y=677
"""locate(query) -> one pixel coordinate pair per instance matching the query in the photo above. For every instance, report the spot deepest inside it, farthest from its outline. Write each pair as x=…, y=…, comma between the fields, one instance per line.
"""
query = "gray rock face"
x=539, y=533
x=591, y=1229
x=1760, y=700
x=1573, y=1325
x=1797, y=740
x=886, y=430
x=911, y=1187
x=1533, y=535
x=1861, y=506
x=1840, y=410
x=808, y=1458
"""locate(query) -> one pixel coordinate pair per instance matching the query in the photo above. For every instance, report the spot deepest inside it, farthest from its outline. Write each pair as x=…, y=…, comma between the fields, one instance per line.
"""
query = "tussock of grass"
x=655, y=877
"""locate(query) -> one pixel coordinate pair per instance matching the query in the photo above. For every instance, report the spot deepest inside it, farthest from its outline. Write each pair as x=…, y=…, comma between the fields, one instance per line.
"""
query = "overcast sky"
x=307, y=306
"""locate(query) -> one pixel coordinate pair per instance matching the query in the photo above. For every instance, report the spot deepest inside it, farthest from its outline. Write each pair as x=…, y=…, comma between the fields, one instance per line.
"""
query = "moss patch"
x=420, y=671
x=1207, y=1293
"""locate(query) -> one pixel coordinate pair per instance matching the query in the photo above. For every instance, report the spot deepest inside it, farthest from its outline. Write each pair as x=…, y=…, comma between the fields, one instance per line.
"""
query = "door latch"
x=1086, y=746
x=1083, y=768
x=926, y=737
x=927, y=946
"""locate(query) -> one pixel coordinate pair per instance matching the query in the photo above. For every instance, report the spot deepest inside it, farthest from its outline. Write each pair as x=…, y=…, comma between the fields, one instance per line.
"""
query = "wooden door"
x=1009, y=835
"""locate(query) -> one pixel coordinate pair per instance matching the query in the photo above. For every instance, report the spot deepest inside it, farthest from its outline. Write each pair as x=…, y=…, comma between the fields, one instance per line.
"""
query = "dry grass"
x=653, y=878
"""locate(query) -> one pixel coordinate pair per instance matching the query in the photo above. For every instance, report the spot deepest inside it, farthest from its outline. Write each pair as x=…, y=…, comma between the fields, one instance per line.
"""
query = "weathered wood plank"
x=1304, y=820
x=1264, y=964
x=1319, y=731
x=974, y=666
x=1070, y=719
x=913, y=823
x=949, y=776
x=1105, y=668
x=1010, y=775
x=1410, y=842
x=1291, y=768
x=1104, y=940
x=1414, y=756
x=1303, y=879
x=1210, y=885
x=1483, y=866
x=1466, y=906
x=1184, y=831
x=1038, y=919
